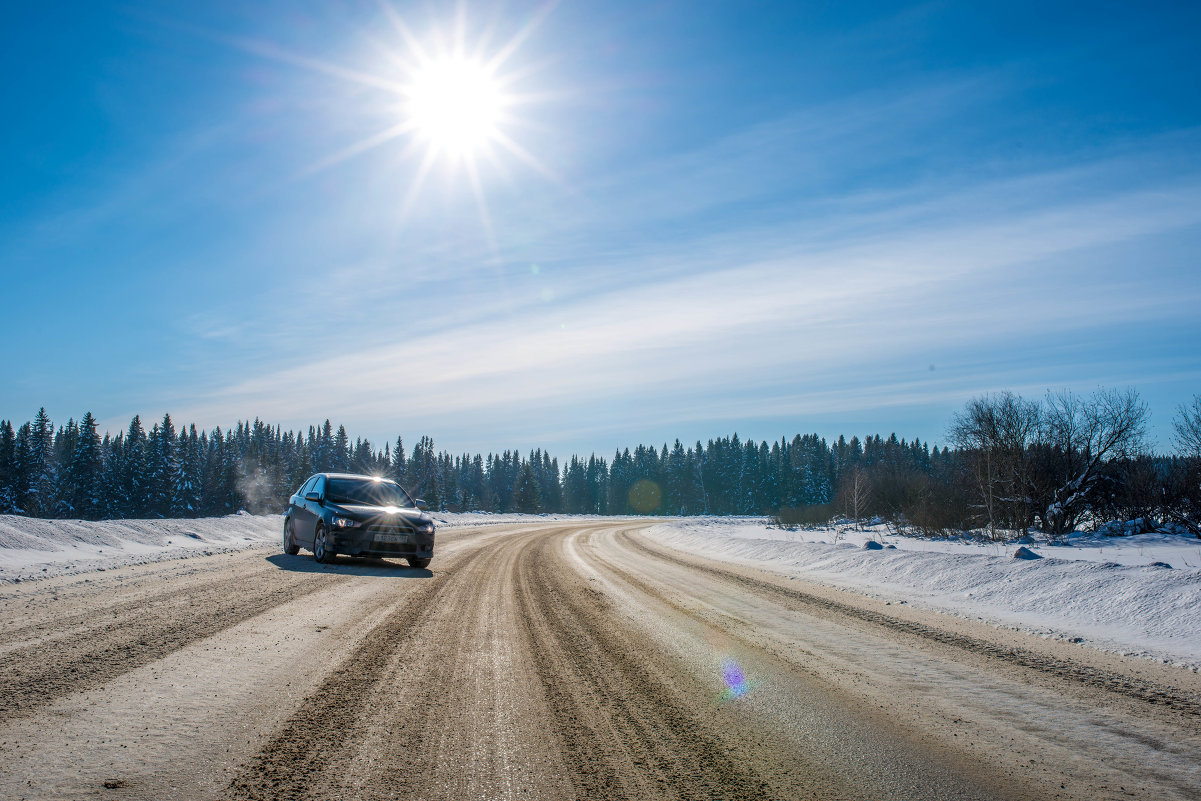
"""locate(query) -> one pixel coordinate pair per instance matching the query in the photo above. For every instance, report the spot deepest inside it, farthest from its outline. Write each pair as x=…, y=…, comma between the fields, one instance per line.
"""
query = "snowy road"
x=556, y=660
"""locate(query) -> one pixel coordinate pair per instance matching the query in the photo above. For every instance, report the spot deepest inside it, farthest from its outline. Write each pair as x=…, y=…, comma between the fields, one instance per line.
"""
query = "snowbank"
x=31, y=548
x=1105, y=592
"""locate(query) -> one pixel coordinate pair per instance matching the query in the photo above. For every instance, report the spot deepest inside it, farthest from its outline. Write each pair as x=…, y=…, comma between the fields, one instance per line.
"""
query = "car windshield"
x=366, y=491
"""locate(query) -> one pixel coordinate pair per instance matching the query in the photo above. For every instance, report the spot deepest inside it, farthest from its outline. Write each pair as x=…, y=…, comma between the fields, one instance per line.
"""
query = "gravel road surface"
x=555, y=661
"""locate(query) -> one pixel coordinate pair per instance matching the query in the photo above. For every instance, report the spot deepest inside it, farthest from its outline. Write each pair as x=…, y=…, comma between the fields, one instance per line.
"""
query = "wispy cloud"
x=777, y=327
x=769, y=261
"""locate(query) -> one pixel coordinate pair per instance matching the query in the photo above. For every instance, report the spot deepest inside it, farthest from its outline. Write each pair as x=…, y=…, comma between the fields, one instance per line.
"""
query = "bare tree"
x=859, y=492
x=996, y=432
x=1187, y=427
x=1079, y=435
x=1187, y=510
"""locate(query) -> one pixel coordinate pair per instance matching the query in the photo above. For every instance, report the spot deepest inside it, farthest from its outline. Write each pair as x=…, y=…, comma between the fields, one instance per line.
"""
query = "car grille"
x=386, y=528
x=389, y=537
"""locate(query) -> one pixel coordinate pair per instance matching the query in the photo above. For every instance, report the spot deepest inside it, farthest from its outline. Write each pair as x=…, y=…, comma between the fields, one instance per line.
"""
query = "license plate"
x=391, y=539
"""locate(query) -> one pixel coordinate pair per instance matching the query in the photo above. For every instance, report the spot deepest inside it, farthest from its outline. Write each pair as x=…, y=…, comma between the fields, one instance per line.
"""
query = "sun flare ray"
x=423, y=171
x=481, y=202
x=528, y=158
x=271, y=51
x=362, y=146
x=514, y=44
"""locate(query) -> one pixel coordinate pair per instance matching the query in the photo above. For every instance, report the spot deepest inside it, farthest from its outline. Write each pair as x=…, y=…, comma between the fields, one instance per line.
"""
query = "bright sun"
x=454, y=104
x=451, y=100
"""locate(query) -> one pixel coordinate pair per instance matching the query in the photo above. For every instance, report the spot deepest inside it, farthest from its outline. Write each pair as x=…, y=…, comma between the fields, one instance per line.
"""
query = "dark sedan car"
x=335, y=513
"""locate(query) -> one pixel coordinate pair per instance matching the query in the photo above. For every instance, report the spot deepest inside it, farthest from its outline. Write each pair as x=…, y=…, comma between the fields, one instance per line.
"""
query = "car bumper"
x=366, y=542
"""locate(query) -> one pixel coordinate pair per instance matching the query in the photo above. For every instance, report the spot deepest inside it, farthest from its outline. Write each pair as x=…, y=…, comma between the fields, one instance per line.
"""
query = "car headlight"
x=345, y=522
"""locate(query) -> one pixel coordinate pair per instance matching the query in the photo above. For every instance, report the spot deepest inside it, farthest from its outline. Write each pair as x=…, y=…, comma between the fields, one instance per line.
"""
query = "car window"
x=319, y=486
x=307, y=487
x=367, y=491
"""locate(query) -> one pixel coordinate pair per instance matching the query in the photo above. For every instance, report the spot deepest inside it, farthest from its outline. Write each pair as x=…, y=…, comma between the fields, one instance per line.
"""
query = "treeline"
x=71, y=471
x=1055, y=464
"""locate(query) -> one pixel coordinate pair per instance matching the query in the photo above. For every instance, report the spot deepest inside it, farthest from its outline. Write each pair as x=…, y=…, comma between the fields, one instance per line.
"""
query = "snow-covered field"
x=1107, y=592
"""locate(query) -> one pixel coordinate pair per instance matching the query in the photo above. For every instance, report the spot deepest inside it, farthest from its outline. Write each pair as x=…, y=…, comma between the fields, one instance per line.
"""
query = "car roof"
x=356, y=475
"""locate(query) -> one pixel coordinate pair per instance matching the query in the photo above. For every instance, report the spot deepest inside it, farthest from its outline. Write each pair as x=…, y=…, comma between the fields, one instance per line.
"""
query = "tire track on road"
x=798, y=600
x=86, y=655
x=471, y=722
x=321, y=732
x=116, y=621
x=625, y=734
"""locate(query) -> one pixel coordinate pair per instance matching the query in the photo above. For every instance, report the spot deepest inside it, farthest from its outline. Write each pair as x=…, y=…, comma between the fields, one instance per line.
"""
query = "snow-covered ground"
x=1105, y=591
x=31, y=549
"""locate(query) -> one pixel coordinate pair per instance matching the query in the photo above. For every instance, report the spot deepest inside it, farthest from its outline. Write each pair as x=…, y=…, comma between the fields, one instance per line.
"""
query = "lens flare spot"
x=737, y=684
x=645, y=496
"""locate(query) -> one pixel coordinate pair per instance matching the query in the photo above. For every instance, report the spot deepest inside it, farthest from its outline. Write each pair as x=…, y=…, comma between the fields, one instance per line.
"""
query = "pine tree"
x=598, y=485
x=323, y=457
x=113, y=450
x=185, y=498
x=546, y=470
x=8, y=468
x=423, y=474
x=82, y=490
x=397, y=470
x=41, y=471
x=64, y=451
x=363, y=460
x=575, y=488
x=23, y=480
x=164, y=467
x=621, y=478
x=675, y=480
x=477, y=484
x=527, y=497
x=135, y=481
x=341, y=451
x=229, y=473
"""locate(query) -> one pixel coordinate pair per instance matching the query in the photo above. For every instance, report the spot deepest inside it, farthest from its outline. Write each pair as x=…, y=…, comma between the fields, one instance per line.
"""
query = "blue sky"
x=715, y=217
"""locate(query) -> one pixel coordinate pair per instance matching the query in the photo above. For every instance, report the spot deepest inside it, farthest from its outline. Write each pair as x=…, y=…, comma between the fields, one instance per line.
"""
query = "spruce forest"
x=1058, y=464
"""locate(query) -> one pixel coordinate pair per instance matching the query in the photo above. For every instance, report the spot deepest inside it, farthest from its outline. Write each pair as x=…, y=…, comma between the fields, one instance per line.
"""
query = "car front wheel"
x=418, y=562
x=321, y=550
x=290, y=546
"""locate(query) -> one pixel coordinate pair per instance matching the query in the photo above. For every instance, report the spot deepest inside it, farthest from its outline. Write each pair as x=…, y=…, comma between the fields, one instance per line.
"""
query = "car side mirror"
x=312, y=496
x=422, y=505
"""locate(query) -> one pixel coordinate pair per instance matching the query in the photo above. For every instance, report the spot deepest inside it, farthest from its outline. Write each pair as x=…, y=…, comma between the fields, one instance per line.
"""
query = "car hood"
x=394, y=513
